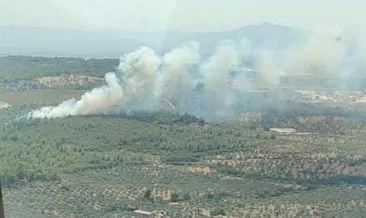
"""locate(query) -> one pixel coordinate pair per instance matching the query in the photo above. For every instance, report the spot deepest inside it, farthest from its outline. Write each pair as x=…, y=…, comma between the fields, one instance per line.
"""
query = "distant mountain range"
x=34, y=41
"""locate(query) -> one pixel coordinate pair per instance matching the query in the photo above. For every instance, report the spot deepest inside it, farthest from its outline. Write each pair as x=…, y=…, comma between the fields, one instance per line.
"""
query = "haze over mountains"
x=32, y=41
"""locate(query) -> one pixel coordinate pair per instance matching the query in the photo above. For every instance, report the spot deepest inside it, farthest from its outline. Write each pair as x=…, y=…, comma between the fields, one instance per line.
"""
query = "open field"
x=37, y=97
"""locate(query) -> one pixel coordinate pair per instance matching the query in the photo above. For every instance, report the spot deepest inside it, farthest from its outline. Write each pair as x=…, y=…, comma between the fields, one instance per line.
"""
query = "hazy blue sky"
x=185, y=15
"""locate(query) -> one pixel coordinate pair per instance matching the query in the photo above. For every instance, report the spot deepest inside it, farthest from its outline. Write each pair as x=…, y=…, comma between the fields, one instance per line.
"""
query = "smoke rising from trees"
x=185, y=82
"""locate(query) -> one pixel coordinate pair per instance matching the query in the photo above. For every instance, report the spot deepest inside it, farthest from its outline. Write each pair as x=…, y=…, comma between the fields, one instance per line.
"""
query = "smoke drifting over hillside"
x=182, y=80
x=321, y=56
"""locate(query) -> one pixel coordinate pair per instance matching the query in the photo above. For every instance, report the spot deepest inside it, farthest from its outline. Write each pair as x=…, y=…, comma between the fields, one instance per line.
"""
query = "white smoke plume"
x=184, y=82
x=216, y=75
x=355, y=60
x=321, y=57
x=176, y=80
x=140, y=73
x=97, y=101
x=147, y=81
x=268, y=73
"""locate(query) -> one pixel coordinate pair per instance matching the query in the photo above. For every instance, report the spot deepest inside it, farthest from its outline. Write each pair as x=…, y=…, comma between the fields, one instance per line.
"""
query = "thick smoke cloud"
x=140, y=73
x=176, y=81
x=216, y=74
x=184, y=82
x=179, y=80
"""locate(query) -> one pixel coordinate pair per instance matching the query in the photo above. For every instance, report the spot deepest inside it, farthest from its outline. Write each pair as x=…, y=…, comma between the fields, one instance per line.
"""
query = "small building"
x=4, y=105
x=148, y=214
x=283, y=130
x=142, y=214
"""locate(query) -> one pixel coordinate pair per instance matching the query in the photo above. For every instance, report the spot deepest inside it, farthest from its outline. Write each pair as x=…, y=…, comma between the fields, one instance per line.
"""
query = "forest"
x=15, y=68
